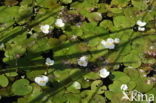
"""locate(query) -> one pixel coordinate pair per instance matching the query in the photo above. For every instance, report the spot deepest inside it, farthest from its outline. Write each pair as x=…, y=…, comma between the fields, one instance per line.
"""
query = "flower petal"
x=141, y=23
x=59, y=23
x=104, y=73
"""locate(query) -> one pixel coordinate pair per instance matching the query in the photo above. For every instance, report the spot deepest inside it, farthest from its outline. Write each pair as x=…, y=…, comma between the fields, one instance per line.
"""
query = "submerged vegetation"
x=77, y=51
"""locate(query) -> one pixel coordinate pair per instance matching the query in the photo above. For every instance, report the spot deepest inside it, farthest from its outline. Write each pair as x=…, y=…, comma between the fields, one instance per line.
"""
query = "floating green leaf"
x=21, y=87
x=3, y=81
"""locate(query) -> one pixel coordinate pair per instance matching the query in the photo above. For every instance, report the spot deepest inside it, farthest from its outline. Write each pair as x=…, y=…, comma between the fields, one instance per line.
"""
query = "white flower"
x=104, y=73
x=42, y=80
x=141, y=28
x=108, y=44
x=23, y=76
x=83, y=58
x=45, y=73
x=141, y=23
x=59, y=23
x=152, y=47
x=76, y=85
x=45, y=28
x=116, y=40
x=141, y=70
x=149, y=82
x=110, y=40
x=144, y=75
x=83, y=61
x=49, y=62
x=124, y=87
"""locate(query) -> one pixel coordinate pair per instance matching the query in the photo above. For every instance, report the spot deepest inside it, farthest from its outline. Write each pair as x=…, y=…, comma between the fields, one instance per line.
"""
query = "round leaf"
x=3, y=81
x=21, y=87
